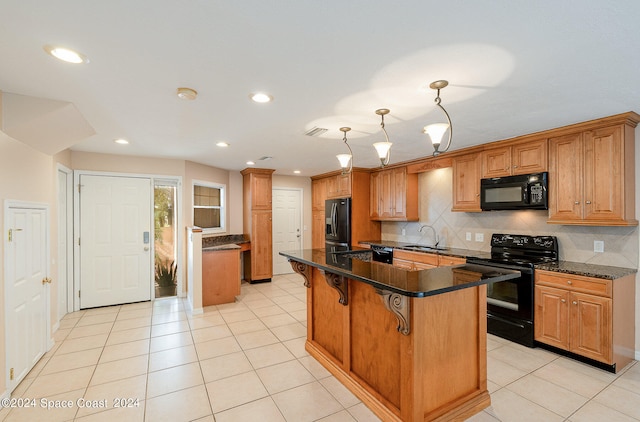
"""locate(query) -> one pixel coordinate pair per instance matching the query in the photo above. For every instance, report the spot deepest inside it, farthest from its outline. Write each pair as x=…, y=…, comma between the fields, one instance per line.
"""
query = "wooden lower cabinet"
x=591, y=317
x=258, y=263
x=317, y=229
x=414, y=377
x=220, y=276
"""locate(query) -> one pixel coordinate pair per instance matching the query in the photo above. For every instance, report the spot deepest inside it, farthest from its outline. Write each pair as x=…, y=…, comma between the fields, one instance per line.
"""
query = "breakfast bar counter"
x=410, y=344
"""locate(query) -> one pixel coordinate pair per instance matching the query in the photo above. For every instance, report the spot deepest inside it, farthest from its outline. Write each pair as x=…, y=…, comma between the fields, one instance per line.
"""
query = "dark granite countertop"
x=587, y=270
x=357, y=265
x=228, y=246
x=567, y=267
x=225, y=240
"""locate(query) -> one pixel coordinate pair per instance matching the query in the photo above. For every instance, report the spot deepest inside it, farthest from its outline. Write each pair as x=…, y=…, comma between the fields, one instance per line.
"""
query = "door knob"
x=46, y=280
x=146, y=248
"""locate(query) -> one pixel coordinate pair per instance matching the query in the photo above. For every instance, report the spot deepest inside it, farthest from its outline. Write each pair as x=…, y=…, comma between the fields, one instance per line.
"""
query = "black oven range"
x=510, y=304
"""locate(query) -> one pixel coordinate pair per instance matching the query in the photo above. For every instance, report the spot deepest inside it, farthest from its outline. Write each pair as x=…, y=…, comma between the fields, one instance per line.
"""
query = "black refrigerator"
x=337, y=233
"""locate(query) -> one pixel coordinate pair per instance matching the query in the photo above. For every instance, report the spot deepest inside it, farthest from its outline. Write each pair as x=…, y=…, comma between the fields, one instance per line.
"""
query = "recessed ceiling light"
x=66, y=54
x=187, y=93
x=296, y=171
x=222, y=144
x=260, y=97
x=251, y=163
x=121, y=141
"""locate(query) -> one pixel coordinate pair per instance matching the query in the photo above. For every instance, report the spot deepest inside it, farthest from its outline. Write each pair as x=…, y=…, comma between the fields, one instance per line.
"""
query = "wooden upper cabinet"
x=592, y=177
x=339, y=186
x=466, y=182
x=518, y=158
x=319, y=193
x=394, y=195
x=257, y=187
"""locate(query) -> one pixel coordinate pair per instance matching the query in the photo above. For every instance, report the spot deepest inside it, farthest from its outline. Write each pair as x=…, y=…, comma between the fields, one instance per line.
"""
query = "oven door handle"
x=491, y=316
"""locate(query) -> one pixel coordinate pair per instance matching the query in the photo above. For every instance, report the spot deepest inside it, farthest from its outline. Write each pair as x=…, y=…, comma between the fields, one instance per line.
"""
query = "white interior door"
x=26, y=300
x=115, y=240
x=287, y=222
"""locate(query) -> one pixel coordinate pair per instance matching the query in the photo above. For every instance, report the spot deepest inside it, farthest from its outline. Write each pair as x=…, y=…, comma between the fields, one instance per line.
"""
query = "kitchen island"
x=411, y=345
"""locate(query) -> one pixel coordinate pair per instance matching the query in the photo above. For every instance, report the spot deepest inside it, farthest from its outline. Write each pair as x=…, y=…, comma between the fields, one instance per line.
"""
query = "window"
x=208, y=207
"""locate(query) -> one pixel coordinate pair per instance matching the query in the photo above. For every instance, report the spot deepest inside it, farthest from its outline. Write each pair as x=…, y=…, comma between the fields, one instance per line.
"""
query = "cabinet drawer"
x=447, y=261
x=403, y=263
x=424, y=258
x=576, y=283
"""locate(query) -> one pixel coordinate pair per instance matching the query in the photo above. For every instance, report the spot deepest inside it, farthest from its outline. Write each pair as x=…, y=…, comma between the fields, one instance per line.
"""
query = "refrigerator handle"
x=334, y=219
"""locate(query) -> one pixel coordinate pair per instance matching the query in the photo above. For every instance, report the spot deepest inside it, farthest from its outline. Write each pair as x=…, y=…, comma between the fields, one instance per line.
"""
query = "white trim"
x=223, y=205
x=69, y=234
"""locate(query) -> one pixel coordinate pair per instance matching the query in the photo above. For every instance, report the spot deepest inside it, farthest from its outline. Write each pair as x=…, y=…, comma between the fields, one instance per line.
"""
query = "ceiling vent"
x=265, y=158
x=315, y=131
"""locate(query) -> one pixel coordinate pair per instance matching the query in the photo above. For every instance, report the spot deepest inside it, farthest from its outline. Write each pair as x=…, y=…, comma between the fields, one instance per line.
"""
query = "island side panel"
x=376, y=345
x=327, y=317
x=450, y=331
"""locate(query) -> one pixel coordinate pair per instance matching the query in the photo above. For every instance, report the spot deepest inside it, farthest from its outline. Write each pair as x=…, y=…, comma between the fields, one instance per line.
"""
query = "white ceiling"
x=514, y=67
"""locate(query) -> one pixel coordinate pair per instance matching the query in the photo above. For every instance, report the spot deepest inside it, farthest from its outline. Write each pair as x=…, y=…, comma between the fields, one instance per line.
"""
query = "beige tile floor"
x=246, y=362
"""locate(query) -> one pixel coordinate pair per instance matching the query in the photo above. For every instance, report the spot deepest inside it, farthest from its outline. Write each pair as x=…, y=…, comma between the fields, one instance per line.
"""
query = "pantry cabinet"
x=517, y=158
x=257, y=223
x=592, y=177
x=467, y=172
x=586, y=316
x=394, y=195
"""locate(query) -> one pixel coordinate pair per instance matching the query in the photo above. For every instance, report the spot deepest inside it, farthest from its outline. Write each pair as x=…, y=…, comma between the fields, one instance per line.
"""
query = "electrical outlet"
x=468, y=237
x=598, y=245
x=479, y=237
x=404, y=232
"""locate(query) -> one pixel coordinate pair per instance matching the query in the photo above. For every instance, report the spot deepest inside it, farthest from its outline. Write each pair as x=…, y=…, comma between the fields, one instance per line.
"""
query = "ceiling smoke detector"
x=315, y=131
x=187, y=94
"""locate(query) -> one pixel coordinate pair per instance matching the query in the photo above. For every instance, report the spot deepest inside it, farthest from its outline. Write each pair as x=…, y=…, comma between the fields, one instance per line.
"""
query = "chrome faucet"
x=435, y=235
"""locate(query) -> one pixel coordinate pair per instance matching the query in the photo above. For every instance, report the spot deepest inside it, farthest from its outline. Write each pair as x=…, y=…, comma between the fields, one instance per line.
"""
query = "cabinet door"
x=319, y=193
x=466, y=183
x=261, y=191
x=422, y=266
x=591, y=327
x=317, y=229
x=374, y=195
x=496, y=162
x=529, y=157
x=343, y=181
x=603, y=174
x=386, y=194
x=565, y=178
x=399, y=193
x=261, y=252
x=403, y=263
x=552, y=316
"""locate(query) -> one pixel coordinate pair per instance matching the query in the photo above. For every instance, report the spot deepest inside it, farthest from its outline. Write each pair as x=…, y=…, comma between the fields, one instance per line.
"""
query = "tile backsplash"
x=575, y=242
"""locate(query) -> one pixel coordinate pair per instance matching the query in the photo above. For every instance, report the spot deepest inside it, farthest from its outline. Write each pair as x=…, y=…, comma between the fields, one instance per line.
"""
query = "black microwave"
x=526, y=191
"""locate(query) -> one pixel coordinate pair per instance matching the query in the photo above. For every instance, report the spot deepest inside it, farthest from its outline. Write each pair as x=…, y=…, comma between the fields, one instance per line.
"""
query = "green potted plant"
x=166, y=278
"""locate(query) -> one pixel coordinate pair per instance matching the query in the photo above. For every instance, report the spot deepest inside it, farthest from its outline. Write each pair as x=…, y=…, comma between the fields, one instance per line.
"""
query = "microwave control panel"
x=537, y=193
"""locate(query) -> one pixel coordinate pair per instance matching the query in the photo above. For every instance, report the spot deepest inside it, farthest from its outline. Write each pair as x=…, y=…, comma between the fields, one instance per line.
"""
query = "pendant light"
x=437, y=130
x=346, y=161
x=383, y=148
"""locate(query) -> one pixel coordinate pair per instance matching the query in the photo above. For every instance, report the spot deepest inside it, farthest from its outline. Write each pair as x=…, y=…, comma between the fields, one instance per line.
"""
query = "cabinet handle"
x=587, y=202
x=563, y=301
x=577, y=202
x=569, y=282
x=515, y=166
x=574, y=302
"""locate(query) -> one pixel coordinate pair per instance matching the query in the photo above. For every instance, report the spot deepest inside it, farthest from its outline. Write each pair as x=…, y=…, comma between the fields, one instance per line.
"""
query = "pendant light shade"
x=383, y=148
x=346, y=161
x=436, y=131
